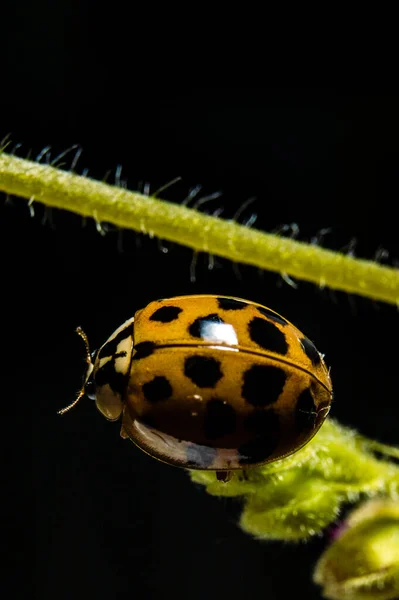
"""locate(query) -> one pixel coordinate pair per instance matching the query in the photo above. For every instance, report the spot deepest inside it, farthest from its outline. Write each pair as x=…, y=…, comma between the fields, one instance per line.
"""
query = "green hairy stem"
x=106, y=203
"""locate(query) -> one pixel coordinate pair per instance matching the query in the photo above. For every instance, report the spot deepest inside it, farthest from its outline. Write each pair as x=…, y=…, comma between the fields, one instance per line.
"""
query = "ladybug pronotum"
x=210, y=382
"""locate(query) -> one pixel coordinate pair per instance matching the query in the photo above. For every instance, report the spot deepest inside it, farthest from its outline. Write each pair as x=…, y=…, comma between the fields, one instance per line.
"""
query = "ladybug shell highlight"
x=212, y=382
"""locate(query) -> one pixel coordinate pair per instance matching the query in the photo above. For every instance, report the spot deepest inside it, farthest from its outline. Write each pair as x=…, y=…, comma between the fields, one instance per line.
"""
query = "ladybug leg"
x=124, y=435
x=223, y=476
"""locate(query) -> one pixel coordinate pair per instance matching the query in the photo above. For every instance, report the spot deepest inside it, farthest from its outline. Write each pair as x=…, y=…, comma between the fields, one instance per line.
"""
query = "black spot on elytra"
x=107, y=375
x=305, y=411
x=311, y=351
x=200, y=456
x=110, y=347
x=143, y=349
x=271, y=315
x=204, y=371
x=258, y=450
x=157, y=389
x=166, y=314
x=263, y=422
x=219, y=419
x=197, y=327
x=263, y=384
x=231, y=304
x=267, y=335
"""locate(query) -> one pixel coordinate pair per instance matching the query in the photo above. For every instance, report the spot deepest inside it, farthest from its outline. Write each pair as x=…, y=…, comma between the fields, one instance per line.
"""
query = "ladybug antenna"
x=82, y=334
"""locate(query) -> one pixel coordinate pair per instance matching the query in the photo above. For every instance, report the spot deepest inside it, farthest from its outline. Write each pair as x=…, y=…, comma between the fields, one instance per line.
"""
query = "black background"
x=111, y=522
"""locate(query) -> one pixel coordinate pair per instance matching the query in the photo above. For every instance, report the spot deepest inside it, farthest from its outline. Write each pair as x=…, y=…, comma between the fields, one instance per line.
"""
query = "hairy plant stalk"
x=225, y=238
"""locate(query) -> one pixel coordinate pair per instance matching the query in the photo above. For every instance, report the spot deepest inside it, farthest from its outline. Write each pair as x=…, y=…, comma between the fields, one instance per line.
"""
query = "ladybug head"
x=107, y=381
x=107, y=372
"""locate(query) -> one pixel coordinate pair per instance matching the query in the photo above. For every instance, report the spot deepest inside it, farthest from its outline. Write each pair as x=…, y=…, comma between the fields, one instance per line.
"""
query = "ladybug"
x=210, y=382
